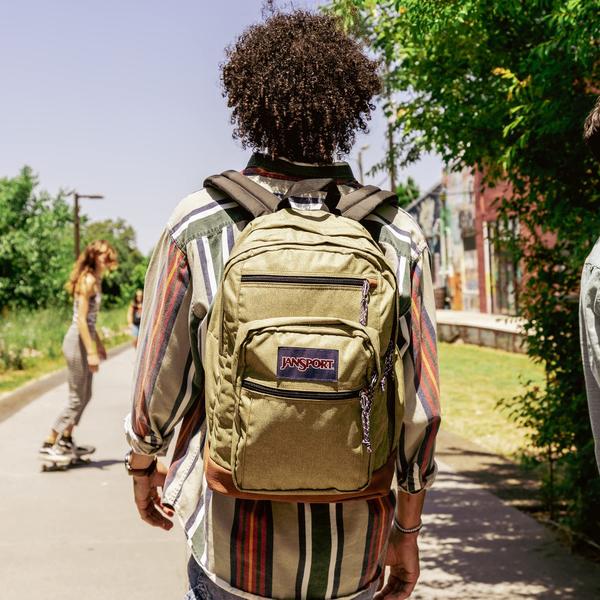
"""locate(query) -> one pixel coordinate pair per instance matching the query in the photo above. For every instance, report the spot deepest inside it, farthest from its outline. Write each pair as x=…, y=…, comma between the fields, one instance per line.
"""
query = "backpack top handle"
x=306, y=186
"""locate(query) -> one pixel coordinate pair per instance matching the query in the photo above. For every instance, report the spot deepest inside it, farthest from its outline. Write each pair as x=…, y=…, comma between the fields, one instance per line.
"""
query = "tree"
x=119, y=285
x=36, y=246
x=505, y=86
x=407, y=192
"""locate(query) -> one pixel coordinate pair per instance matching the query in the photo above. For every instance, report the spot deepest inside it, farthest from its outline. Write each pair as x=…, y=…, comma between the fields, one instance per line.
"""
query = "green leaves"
x=35, y=243
x=506, y=86
x=407, y=192
x=36, y=247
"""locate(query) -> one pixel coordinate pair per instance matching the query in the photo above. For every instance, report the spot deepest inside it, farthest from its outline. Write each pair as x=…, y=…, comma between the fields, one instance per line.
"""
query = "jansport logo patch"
x=307, y=363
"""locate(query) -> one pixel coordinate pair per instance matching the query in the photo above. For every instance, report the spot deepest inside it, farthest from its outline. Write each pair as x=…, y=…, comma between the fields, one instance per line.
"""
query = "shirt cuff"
x=148, y=445
x=412, y=481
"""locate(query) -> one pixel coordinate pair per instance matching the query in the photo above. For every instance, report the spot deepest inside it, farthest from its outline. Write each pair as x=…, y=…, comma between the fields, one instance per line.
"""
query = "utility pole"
x=360, y=164
x=76, y=198
x=392, y=157
x=390, y=130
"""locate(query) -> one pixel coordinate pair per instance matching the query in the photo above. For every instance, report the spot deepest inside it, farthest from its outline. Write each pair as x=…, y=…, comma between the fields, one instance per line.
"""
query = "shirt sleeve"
x=589, y=321
x=165, y=382
x=415, y=467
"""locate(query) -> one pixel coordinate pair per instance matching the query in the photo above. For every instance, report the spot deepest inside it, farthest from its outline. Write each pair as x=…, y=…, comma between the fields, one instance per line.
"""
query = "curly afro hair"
x=299, y=87
x=591, y=130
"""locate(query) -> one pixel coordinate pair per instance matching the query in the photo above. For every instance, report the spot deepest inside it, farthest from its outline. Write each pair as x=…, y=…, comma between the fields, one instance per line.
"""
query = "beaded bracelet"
x=404, y=530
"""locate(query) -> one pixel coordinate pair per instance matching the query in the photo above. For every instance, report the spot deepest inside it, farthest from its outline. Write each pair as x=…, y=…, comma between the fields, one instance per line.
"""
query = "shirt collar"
x=281, y=168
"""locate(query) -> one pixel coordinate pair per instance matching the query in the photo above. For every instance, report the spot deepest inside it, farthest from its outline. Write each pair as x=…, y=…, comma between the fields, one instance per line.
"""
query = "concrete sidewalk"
x=76, y=535
x=475, y=547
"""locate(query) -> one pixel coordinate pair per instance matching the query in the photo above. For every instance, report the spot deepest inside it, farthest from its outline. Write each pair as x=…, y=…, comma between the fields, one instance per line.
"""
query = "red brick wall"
x=486, y=200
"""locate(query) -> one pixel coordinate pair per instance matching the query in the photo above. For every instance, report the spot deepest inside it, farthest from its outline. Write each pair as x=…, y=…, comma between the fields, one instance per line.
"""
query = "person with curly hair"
x=589, y=304
x=83, y=350
x=299, y=89
x=591, y=130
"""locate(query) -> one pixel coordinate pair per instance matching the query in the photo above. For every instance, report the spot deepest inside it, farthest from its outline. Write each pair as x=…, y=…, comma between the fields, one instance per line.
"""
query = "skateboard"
x=53, y=464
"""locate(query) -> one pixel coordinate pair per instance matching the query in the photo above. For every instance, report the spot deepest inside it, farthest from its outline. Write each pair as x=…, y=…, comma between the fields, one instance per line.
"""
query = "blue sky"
x=122, y=98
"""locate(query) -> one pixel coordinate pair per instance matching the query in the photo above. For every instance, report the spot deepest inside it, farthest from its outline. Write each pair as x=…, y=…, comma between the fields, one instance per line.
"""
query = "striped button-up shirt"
x=261, y=548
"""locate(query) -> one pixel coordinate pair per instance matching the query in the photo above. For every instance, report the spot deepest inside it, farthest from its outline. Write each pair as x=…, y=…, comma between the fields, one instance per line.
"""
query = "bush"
x=36, y=248
x=30, y=335
x=36, y=244
x=506, y=86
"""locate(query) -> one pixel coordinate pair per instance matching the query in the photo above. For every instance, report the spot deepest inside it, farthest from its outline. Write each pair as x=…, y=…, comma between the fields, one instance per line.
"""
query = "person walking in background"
x=299, y=88
x=83, y=349
x=134, y=316
x=589, y=304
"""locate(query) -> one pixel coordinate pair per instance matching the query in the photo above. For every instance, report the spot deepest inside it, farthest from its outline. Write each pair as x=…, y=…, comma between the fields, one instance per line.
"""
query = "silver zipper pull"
x=364, y=302
x=388, y=364
x=366, y=403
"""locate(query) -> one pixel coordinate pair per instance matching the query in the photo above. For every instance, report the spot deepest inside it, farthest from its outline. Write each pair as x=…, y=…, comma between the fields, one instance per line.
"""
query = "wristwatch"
x=139, y=472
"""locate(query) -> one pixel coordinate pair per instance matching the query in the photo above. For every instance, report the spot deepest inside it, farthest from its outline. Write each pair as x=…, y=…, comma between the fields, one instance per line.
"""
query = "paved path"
x=476, y=547
x=75, y=535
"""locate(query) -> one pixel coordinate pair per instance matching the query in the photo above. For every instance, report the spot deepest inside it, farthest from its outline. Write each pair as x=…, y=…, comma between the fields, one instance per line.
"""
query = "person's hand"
x=101, y=351
x=93, y=362
x=403, y=559
x=147, y=498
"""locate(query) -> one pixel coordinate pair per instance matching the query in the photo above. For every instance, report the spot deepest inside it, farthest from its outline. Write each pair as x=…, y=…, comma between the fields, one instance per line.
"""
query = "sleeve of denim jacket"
x=589, y=321
x=415, y=467
x=165, y=382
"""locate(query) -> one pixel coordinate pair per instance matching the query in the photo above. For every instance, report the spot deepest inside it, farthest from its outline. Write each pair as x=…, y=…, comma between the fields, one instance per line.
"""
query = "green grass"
x=112, y=326
x=31, y=341
x=472, y=381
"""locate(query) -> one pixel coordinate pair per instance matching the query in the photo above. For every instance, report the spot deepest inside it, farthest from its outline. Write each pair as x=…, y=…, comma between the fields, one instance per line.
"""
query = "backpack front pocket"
x=299, y=420
x=300, y=442
x=267, y=295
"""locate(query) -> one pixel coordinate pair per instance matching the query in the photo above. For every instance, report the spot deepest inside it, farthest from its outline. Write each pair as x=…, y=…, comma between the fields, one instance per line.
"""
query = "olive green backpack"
x=304, y=394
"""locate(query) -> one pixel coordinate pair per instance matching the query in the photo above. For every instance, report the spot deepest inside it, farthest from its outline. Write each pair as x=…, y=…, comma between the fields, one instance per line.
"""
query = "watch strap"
x=146, y=472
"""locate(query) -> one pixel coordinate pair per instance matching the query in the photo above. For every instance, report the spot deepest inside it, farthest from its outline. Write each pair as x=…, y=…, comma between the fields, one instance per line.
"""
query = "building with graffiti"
x=471, y=268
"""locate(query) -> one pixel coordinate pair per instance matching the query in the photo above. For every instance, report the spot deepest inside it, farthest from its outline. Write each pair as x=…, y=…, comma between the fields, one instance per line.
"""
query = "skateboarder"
x=319, y=343
x=83, y=350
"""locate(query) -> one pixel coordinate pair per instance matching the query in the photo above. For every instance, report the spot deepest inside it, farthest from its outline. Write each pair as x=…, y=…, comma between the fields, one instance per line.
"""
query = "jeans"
x=202, y=588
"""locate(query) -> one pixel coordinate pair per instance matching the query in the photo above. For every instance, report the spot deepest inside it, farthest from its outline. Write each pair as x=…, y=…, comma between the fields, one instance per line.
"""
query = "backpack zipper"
x=365, y=395
x=365, y=284
x=299, y=394
x=309, y=280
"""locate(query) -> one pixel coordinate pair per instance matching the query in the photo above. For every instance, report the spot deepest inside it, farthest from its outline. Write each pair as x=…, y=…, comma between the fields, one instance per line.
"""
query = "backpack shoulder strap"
x=248, y=194
x=358, y=204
